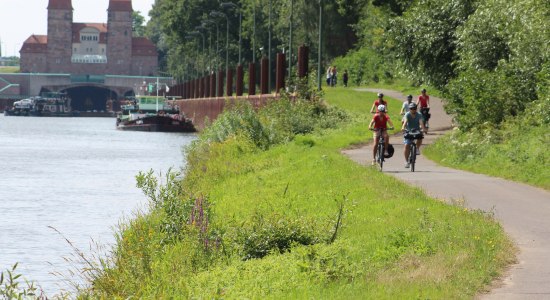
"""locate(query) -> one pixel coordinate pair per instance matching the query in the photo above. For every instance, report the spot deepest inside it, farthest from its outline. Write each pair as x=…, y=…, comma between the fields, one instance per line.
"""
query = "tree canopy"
x=173, y=21
x=463, y=47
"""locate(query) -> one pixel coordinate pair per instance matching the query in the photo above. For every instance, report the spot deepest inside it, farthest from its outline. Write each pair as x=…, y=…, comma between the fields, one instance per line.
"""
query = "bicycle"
x=413, y=136
x=425, y=112
x=380, y=150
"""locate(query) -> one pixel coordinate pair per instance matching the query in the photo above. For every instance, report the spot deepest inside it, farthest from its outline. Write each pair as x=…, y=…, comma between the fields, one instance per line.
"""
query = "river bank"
x=348, y=230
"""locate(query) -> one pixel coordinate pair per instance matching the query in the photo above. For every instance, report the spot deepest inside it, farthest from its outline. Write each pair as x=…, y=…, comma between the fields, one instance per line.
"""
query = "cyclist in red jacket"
x=423, y=103
x=378, y=102
x=380, y=121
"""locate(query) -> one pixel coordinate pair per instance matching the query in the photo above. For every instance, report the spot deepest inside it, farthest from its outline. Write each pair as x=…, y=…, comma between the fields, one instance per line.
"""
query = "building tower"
x=59, y=47
x=119, y=37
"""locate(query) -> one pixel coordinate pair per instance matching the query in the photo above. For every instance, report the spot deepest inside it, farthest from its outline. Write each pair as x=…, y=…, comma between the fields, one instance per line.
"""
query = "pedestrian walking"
x=345, y=78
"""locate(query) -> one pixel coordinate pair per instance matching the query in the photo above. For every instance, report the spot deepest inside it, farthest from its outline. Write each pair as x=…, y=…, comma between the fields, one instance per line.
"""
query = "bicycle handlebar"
x=406, y=131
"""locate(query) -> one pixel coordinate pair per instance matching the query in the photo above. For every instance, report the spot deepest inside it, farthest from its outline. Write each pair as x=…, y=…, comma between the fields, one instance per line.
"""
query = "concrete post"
x=264, y=76
x=303, y=59
x=239, y=80
x=201, y=87
x=252, y=79
x=206, y=86
x=212, y=85
x=229, y=83
x=197, y=88
x=280, y=73
x=184, y=93
x=220, y=83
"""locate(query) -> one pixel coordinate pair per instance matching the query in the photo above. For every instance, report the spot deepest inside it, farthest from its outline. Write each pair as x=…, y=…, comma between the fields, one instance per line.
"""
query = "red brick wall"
x=144, y=65
x=119, y=42
x=199, y=110
x=60, y=46
x=33, y=63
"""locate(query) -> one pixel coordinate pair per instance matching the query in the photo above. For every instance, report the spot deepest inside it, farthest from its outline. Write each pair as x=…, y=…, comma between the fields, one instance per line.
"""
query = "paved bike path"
x=523, y=211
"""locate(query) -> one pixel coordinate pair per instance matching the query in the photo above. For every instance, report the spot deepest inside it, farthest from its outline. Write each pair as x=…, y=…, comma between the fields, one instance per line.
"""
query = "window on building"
x=89, y=38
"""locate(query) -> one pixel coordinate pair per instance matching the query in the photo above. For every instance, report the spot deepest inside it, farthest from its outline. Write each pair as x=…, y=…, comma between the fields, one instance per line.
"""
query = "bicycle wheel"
x=412, y=156
x=380, y=155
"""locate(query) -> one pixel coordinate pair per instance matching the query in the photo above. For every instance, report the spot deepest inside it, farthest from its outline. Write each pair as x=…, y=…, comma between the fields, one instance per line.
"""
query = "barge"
x=152, y=113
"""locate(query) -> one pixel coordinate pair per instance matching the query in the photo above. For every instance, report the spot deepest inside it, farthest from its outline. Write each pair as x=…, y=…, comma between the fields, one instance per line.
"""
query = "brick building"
x=89, y=48
x=93, y=63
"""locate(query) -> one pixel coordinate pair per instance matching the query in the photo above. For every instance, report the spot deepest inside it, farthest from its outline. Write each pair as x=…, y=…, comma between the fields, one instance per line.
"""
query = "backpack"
x=391, y=150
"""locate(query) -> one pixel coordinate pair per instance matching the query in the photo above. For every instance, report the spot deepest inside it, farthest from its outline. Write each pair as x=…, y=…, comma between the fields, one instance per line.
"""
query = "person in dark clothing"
x=345, y=78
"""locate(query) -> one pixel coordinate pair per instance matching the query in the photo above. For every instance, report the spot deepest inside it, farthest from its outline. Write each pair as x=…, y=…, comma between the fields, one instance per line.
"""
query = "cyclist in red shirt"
x=423, y=103
x=378, y=102
x=380, y=121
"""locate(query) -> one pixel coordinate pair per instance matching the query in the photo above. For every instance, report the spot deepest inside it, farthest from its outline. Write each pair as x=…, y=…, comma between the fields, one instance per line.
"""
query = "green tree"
x=501, y=49
x=138, y=26
x=425, y=40
x=397, y=7
x=172, y=21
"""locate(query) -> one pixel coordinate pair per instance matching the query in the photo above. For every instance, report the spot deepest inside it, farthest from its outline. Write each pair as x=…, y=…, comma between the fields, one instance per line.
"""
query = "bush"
x=10, y=287
x=278, y=122
x=503, y=62
x=276, y=233
x=516, y=145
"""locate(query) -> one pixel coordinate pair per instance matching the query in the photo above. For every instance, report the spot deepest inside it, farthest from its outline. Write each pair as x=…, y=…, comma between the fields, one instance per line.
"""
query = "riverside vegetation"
x=269, y=208
x=519, y=144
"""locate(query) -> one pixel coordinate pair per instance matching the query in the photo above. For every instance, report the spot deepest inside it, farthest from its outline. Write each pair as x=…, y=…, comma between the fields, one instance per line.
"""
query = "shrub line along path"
x=522, y=210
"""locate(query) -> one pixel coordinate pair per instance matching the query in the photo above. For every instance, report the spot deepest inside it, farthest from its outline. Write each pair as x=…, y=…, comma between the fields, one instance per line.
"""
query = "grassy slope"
x=395, y=243
x=517, y=149
x=4, y=69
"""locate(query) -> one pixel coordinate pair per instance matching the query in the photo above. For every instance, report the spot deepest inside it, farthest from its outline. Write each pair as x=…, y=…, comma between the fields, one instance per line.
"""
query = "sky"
x=15, y=27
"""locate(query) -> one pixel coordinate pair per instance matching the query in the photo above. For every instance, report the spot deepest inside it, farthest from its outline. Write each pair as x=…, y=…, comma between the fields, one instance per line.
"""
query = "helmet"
x=380, y=95
x=409, y=97
x=382, y=108
x=412, y=106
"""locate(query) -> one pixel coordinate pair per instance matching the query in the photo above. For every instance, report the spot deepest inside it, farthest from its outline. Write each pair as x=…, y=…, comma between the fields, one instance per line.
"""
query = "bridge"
x=87, y=92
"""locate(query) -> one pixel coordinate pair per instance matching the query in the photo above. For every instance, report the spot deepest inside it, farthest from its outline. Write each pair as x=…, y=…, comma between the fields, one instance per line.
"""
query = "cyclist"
x=405, y=106
x=380, y=121
x=378, y=102
x=423, y=103
x=412, y=121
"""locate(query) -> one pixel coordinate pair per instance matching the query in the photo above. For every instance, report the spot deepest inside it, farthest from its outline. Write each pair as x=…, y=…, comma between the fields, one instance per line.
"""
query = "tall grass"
x=285, y=215
x=520, y=144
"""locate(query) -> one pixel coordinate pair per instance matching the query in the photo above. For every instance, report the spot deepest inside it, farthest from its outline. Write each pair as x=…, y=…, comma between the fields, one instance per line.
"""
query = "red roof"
x=101, y=27
x=35, y=44
x=120, y=5
x=143, y=47
x=60, y=4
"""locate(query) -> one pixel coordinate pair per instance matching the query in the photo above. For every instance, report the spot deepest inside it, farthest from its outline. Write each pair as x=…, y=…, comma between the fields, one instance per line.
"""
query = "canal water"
x=76, y=175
